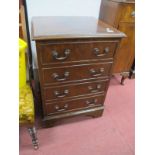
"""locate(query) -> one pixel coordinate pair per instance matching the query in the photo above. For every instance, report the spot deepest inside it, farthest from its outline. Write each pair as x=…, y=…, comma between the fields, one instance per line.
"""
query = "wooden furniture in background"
x=121, y=15
x=75, y=57
x=22, y=22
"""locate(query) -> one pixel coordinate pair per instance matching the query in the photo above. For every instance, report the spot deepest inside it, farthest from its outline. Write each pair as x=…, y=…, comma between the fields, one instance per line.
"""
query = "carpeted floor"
x=111, y=134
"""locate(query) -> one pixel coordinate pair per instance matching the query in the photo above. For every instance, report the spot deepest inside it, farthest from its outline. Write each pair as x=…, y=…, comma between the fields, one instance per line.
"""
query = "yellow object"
x=26, y=105
x=22, y=64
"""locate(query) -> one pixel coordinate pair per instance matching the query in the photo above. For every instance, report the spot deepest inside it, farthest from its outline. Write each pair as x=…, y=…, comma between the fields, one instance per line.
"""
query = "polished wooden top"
x=57, y=27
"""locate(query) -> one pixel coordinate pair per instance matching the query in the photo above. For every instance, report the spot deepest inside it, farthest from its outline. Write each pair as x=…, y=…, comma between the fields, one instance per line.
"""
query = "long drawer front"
x=75, y=52
x=74, y=90
x=75, y=104
x=57, y=75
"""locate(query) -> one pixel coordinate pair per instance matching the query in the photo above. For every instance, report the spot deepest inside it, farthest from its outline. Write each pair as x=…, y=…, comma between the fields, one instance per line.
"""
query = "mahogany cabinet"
x=121, y=15
x=75, y=57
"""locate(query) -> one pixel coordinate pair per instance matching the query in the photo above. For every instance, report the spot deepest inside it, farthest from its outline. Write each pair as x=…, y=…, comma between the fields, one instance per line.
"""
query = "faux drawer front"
x=128, y=14
x=75, y=52
x=57, y=107
x=65, y=74
x=72, y=90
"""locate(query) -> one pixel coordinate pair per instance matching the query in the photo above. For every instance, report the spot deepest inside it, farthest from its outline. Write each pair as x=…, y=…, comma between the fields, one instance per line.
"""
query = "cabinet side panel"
x=126, y=53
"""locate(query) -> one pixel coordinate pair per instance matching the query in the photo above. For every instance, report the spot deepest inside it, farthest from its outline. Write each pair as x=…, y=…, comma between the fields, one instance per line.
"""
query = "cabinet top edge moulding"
x=70, y=27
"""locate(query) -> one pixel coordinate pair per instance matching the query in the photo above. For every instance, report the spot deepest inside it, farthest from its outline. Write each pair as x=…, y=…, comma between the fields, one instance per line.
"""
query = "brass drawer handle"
x=58, y=109
x=56, y=55
x=93, y=90
x=133, y=13
x=58, y=78
x=96, y=73
x=59, y=95
x=97, y=51
x=93, y=102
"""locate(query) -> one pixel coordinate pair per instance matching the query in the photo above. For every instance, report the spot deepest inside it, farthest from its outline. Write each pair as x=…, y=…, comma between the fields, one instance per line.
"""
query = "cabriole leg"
x=124, y=76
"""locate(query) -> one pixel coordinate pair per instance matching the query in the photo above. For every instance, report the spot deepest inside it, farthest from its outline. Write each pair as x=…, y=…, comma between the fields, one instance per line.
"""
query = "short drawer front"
x=75, y=52
x=57, y=107
x=75, y=73
x=128, y=14
x=78, y=89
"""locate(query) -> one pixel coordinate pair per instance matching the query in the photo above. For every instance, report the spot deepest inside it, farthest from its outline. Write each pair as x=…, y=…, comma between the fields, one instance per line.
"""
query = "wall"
x=61, y=8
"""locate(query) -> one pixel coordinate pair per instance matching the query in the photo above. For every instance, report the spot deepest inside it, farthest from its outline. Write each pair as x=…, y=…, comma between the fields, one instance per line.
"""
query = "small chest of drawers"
x=75, y=57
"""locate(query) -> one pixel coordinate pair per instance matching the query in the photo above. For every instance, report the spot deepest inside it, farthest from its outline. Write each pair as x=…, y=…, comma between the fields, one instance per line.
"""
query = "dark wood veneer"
x=74, y=104
x=82, y=51
x=63, y=92
x=75, y=62
x=75, y=73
